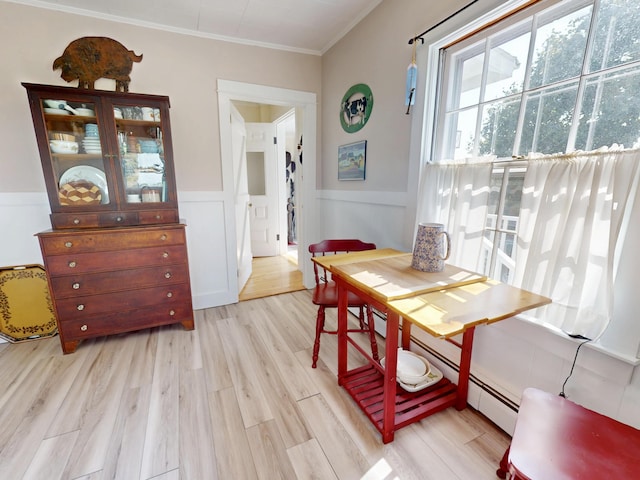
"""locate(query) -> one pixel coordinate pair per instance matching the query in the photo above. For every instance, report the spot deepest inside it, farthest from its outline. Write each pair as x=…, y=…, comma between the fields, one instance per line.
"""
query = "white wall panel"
x=22, y=215
x=377, y=217
x=211, y=267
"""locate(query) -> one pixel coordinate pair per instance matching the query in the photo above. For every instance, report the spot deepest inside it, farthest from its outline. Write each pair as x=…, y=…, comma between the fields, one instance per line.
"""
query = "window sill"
x=628, y=359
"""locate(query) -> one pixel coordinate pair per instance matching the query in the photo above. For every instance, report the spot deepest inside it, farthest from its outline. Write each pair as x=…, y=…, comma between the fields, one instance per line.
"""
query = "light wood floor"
x=272, y=276
x=234, y=399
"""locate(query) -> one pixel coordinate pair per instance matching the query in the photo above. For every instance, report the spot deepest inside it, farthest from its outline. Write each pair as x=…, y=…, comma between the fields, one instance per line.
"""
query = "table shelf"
x=366, y=387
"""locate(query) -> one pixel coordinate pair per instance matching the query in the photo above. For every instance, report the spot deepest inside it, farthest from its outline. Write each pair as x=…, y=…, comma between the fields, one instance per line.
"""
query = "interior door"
x=263, y=189
x=242, y=198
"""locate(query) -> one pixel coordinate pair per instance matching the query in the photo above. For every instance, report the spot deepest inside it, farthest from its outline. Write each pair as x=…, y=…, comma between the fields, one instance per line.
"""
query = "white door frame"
x=305, y=103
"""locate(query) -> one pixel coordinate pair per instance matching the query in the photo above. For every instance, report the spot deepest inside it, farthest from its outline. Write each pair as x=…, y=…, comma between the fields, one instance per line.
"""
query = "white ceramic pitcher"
x=429, y=250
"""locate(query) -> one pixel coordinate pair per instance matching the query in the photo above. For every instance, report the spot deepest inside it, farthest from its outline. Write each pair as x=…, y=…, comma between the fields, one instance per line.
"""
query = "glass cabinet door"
x=75, y=149
x=141, y=149
x=106, y=156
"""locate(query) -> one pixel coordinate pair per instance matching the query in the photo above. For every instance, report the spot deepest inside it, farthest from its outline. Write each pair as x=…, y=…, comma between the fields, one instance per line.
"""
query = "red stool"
x=556, y=439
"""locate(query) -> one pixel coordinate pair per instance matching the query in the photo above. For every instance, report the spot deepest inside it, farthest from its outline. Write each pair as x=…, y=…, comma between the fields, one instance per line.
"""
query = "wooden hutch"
x=116, y=256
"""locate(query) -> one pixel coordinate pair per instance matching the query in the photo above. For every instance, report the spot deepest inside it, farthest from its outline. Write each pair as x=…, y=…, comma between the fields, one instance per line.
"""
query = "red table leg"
x=406, y=334
x=342, y=329
x=390, y=369
x=504, y=465
x=465, y=368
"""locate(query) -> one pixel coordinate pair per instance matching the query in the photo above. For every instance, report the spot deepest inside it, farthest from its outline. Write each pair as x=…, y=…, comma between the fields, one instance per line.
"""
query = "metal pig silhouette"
x=89, y=58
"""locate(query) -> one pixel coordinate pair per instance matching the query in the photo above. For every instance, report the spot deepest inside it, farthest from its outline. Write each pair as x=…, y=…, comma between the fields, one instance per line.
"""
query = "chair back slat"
x=334, y=247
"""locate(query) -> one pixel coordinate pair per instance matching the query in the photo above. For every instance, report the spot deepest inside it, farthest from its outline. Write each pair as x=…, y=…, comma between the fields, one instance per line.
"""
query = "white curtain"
x=570, y=227
x=571, y=219
x=457, y=195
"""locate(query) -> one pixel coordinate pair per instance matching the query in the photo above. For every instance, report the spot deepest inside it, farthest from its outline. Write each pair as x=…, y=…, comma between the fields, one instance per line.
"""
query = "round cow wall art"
x=355, y=108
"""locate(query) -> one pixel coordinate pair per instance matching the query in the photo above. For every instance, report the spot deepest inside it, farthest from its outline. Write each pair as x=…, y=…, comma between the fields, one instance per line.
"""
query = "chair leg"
x=372, y=334
x=316, y=343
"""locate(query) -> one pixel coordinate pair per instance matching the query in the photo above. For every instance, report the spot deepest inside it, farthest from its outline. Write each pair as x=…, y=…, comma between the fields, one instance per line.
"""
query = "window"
x=555, y=78
x=501, y=227
x=546, y=80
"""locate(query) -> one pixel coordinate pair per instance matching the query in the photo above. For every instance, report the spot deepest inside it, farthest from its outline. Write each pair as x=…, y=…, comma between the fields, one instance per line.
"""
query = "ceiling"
x=306, y=26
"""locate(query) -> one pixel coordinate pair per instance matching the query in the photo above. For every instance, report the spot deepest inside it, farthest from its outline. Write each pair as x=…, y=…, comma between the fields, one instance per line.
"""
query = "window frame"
x=480, y=45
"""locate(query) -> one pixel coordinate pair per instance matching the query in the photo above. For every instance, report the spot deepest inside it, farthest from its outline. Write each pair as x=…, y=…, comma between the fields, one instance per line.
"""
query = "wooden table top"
x=451, y=311
x=443, y=303
x=327, y=261
x=391, y=277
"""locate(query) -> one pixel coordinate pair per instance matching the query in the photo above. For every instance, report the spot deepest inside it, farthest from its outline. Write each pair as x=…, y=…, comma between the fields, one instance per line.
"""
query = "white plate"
x=90, y=174
x=410, y=363
x=434, y=376
x=55, y=111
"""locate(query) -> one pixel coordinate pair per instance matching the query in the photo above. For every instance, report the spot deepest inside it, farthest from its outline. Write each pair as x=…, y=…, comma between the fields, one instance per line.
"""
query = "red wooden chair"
x=325, y=293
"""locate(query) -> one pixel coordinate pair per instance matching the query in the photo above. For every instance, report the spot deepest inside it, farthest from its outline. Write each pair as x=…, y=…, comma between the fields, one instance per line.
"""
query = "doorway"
x=272, y=169
x=304, y=104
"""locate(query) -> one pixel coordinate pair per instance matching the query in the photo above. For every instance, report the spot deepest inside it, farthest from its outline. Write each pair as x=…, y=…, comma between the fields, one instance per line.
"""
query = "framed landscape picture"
x=352, y=160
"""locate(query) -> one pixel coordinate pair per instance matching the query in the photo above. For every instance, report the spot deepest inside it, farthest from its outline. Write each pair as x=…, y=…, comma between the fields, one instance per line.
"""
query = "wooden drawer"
x=124, y=321
x=113, y=281
x=152, y=217
x=94, y=220
x=113, y=219
x=75, y=220
x=87, y=306
x=101, y=240
x=117, y=260
x=118, y=219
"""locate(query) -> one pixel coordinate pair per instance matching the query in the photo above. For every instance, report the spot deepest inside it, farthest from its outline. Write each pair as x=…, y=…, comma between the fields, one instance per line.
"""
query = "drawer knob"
x=72, y=264
x=165, y=255
x=68, y=244
x=169, y=294
x=167, y=275
x=84, y=328
x=80, y=307
x=172, y=312
x=118, y=219
x=76, y=221
x=163, y=236
x=158, y=217
x=75, y=286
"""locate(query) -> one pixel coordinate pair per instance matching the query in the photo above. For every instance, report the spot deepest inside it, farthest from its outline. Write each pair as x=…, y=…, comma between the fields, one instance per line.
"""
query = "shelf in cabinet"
x=137, y=123
x=69, y=118
x=76, y=156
